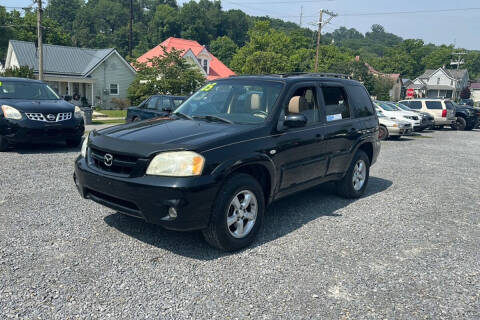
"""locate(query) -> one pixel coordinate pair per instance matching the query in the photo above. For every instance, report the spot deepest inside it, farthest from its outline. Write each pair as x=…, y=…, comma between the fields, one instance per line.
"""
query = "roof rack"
x=314, y=74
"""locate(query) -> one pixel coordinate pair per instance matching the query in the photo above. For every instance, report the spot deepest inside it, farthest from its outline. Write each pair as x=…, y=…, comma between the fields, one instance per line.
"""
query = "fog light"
x=172, y=212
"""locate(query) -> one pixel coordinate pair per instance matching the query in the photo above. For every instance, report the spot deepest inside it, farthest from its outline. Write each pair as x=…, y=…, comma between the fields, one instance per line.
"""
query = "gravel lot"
x=410, y=249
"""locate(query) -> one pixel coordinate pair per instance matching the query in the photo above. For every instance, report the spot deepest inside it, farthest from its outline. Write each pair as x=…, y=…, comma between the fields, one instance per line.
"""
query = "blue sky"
x=453, y=27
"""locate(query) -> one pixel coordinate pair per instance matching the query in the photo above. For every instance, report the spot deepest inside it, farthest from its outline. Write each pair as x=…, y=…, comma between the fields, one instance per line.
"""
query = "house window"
x=205, y=65
x=438, y=80
x=114, y=89
x=451, y=82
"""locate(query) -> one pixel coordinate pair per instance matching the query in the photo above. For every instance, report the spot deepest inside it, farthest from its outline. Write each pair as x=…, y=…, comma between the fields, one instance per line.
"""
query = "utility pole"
x=459, y=59
x=40, y=41
x=319, y=33
x=130, y=34
x=301, y=15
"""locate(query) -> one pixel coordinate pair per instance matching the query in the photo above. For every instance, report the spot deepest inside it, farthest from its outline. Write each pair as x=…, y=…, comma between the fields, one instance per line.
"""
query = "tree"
x=465, y=94
x=168, y=74
x=21, y=72
x=63, y=12
x=223, y=48
x=439, y=57
x=382, y=87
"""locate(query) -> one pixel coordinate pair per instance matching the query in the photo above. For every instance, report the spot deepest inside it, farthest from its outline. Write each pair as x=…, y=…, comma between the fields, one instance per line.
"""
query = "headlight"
x=11, y=112
x=78, y=112
x=395, y=125
x=177, y=164
x=83, y=151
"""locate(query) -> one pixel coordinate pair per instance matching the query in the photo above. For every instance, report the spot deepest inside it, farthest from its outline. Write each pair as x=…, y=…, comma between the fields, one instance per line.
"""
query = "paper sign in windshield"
x=209, y=87
x=334, y=117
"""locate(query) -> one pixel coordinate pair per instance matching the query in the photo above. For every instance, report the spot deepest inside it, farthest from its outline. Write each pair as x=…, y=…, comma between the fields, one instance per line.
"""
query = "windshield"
x=387, y=107
x=244, y=102
x=26, y=90
x=403, y=107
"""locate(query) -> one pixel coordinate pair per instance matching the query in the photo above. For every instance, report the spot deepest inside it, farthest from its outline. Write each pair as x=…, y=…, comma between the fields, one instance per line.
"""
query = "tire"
x=3, y=144
x=382, y=133
x=439, y=127
x=227, y=238
x=346, y=187
x=460, y=124
x=74, y=142
x=469, y=128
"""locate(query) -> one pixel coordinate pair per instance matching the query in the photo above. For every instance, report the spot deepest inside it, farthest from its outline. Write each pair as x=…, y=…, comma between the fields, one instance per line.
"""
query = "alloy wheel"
x=359, y=174
x=242, y=214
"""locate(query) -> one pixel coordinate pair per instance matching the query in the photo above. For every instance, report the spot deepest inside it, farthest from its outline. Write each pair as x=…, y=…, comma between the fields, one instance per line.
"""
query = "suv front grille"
x=49, y=117
x=111, y=162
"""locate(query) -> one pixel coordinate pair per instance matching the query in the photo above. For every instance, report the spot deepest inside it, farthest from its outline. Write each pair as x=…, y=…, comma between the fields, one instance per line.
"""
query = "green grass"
x=114, y=113
x=108, y=121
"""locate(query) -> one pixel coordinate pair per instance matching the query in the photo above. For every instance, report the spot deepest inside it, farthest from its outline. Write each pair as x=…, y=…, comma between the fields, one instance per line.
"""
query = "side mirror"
x=296, y=120
x=167, y=109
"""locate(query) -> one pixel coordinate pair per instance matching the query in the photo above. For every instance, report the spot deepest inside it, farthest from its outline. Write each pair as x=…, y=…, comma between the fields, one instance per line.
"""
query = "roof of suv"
x=14, y=79
x=296, y=77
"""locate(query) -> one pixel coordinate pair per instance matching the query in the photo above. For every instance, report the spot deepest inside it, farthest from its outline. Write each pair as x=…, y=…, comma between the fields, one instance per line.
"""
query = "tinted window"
x=415, y=105
x=152, y=103
x=361, y=102
x=336, y=105
x=449, y=105
x=436, y=105
x=177, y=102
x=307, y=103
x=26, y=90
x=163, y=103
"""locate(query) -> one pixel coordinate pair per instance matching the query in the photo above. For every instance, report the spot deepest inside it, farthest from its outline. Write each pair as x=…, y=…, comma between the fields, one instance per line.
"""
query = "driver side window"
x=306, y=102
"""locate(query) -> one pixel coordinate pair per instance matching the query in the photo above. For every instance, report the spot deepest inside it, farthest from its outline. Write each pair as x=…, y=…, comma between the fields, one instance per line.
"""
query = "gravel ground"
x=408, y=250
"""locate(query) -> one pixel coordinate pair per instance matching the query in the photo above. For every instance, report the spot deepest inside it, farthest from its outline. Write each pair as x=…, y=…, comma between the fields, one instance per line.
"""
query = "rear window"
x=449, y=105
x=361, y=102
x=434, y=105
x=417, y=105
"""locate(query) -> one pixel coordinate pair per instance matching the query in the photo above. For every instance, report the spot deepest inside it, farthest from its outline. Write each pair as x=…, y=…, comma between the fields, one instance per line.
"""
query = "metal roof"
x=453, y=73
x=60, y=60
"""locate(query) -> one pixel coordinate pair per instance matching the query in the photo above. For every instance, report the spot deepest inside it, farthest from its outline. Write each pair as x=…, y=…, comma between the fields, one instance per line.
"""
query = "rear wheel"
x=382, y=133
x=3, y=144
x=237, y=214
x=355, y=182
x=74, y=142
x=460, y=124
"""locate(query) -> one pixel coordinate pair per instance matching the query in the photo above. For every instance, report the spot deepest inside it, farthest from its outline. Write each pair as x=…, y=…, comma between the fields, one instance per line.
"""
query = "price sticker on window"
x=209, y=87
x=1, y=83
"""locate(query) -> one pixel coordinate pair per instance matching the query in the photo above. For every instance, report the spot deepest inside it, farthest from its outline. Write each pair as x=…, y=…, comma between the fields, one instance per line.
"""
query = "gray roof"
x=453, y=73
x=416, y=86
x=440, y=87
x=59, y=59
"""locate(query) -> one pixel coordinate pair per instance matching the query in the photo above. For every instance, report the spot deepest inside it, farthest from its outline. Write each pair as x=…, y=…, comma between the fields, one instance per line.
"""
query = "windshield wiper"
x=213, y=118
x=182, y=115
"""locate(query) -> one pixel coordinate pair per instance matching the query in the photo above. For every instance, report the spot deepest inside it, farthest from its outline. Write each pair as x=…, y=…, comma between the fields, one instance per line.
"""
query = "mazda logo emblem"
x=108, y=159
x=51, y=117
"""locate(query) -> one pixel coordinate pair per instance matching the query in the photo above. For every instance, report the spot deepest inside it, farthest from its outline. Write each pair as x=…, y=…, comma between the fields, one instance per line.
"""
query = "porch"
x=69, y=86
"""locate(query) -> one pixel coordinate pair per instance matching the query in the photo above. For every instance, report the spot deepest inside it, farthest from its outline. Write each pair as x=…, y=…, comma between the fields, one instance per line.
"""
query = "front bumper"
x=150, y=197
x=395, y=131
x=25, y=130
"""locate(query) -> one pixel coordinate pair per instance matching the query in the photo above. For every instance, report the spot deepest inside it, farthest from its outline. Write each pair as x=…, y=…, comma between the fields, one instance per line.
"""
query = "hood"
x=163, y=134
x=41, y=106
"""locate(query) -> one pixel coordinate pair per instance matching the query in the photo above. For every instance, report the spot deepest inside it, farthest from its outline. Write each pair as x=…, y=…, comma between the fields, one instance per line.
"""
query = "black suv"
x=230, y=150
x=32, y=112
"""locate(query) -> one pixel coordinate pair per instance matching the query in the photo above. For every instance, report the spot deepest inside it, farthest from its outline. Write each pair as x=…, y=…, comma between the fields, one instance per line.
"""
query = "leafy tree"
x=6, y=31
x=223, y=48
x=382, y=87
x=168, y=74
x=21, y=72
x=164, y=24
x=465, y=94
x=439, y=57
x=63, y=12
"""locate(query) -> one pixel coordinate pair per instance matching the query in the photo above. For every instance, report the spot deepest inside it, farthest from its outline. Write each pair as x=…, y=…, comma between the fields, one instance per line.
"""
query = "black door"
x=300, y=156
x=341, y=128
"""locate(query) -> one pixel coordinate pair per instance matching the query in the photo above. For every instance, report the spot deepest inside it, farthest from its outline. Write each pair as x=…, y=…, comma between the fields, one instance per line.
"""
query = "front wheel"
x=237, y=214
x=382, y=133
x=355, y=182
x=460, y=124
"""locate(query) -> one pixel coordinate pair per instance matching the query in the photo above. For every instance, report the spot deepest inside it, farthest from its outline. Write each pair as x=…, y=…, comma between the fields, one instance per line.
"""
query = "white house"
x=440, y=83
x=99, y=75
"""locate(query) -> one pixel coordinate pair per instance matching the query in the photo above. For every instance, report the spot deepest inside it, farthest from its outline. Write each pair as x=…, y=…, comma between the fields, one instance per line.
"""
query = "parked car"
x=231, y=149
x=442, y=110
x=468, y=102
x=392, y=128
x=467, y=117
x=33, y=112
x=426, y=119
x=390, y=110
x=155, y=106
